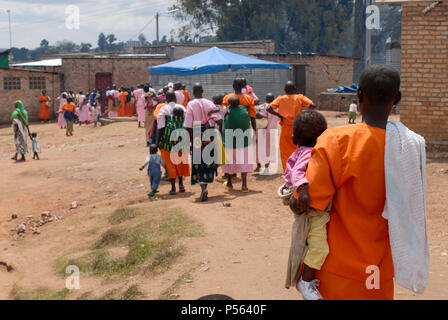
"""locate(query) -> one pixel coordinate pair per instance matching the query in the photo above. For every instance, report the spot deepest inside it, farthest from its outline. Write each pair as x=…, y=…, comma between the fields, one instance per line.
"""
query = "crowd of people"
x=348, y=204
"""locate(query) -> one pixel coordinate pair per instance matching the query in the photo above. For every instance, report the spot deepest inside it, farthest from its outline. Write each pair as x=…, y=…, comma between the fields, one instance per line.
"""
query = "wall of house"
x=322, y=72
x=30, y=97
x=80, y=72
x=424, y=67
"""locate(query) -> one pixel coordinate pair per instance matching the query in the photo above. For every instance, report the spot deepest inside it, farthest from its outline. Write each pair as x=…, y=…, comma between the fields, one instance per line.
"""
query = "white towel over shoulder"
x=405, y=208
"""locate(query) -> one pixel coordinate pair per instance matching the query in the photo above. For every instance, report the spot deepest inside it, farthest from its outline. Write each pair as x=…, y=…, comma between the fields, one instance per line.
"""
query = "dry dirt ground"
x=243, y=251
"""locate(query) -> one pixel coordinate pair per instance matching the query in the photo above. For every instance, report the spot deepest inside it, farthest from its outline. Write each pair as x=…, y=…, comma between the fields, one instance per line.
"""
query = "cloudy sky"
x=34, y=20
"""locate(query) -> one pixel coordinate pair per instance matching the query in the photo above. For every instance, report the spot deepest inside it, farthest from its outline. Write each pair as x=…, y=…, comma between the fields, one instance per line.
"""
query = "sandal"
x=204, y=196
x=182, y=189
x=245, y=190
x=227, y=187
x=173, y=193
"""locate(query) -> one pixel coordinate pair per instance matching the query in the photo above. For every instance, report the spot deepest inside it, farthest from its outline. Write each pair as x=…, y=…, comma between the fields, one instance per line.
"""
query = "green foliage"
x=307, y=25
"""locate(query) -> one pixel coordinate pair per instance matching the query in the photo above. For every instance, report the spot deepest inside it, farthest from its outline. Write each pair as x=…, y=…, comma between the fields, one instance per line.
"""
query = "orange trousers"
x=179, y=170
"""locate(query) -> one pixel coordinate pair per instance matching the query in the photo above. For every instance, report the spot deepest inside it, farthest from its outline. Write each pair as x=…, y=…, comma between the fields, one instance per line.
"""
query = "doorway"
x=299, y=78
x=102, y=82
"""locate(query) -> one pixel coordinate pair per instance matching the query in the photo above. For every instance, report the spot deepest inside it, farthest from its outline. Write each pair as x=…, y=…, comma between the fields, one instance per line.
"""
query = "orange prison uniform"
x=44, y=112
x=187, y=97
x=289, y=106
x=174, y=171
x=121, y=108
x=245, y=100
x=347, y=166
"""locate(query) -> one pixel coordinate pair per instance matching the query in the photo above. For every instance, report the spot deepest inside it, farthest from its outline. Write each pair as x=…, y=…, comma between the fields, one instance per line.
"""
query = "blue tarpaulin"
x=213, y=60
x=344, y=89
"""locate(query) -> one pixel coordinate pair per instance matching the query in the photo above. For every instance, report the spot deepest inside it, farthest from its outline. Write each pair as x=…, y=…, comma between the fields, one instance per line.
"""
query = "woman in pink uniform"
x=61, y=120
x=139, y=95
x=83, y=109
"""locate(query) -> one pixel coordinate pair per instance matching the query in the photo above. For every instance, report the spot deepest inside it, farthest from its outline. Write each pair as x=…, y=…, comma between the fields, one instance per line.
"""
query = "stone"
x=36, y=231
x=29, y=217
x=74, y=205
x=227, y=204
x=45, y=214
x=14, y=216
x=21, y=229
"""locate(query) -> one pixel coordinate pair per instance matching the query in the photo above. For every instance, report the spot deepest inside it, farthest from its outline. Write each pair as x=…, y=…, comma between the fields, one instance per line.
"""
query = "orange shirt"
x=157, y=109
x=187, y=97
x=70, y=107
x=245, y=100
x=347, y=166
x=289, y=106
x=122, y=97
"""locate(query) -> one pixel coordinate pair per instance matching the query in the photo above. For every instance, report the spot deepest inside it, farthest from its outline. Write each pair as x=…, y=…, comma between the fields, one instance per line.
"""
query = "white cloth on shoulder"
x=405, y=207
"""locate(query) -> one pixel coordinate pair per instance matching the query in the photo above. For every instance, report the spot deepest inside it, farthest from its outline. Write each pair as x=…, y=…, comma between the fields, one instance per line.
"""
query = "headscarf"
x=20, y=113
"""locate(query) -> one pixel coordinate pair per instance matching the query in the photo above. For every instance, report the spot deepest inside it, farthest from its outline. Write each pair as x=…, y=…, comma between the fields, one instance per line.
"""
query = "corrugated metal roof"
x=41, y=63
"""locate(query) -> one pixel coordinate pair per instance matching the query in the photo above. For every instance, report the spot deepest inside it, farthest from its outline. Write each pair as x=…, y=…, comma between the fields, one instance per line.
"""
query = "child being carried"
x=307, y=127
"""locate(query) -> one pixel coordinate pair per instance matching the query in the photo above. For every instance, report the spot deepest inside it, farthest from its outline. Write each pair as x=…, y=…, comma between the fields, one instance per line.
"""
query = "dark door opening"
x=102, y=82
x=300, y=78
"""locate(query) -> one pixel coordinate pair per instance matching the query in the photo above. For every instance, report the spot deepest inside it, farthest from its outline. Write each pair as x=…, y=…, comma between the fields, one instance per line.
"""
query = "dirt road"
x=243, y=253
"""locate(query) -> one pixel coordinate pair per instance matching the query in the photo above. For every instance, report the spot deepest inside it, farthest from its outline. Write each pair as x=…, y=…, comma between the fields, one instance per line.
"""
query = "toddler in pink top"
x=307, y=128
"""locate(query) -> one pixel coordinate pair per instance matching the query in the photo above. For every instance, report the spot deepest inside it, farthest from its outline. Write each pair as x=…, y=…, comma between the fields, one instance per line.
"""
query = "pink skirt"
x=113, y=114
x=264, y=144
x=141, y=111
x=84, y=114
x=239, y=160
x=61, y=120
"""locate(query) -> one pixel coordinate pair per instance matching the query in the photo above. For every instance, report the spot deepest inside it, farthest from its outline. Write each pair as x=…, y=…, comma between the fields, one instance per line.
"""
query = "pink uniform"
x=61, y=119
x=180, y=98
x=295, y=174
x=83, y=112
x=197, y=113
x=139, y=95
x=264, y=152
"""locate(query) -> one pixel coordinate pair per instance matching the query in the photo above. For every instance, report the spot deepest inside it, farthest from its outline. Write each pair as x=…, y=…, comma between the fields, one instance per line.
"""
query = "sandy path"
x=246, y=245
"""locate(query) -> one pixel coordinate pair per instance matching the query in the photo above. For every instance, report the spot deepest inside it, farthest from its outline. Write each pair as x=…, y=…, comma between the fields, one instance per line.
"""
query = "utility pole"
x=10, y=33
x=157, y=27
x=359, y=44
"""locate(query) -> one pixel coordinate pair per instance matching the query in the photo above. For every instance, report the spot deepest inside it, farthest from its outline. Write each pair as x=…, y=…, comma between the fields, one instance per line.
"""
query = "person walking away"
x=68, y=111
x=36, y=146
x=154, y=161
x=44, y=111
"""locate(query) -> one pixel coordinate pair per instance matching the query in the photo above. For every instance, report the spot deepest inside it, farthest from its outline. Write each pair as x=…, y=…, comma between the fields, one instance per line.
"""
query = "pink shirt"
x=197, y=111
x=179, y=97
x=296, y=167
x=167, y=111
x=116, y=94
x=272, y=120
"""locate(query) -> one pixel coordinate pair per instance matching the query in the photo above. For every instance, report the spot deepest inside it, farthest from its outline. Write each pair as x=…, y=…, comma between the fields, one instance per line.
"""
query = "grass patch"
x=110, y=295
x=169, y=293
x=151, y=241
x=6, y=134
x=132, y=293
x=85, y=296
x=39, y=294
x=121, y=215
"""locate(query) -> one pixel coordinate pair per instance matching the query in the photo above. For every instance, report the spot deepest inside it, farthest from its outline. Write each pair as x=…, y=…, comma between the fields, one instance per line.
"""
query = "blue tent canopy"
x=213, y=60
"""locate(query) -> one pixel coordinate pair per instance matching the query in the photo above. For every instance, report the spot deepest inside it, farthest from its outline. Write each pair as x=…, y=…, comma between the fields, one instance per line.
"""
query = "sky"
x=34, y=20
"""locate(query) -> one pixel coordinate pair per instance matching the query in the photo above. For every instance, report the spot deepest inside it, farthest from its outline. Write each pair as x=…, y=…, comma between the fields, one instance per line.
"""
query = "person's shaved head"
x=238, y=85
x=270, y=97
x=170, y=96
x=379, y=85
x=198, y=90
x=290, y=87
x=177, y=85
x=165, y=89
x=234, y=102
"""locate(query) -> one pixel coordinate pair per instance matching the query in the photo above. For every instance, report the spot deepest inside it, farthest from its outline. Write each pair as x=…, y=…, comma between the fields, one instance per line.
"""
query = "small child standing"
x=352, y=112
x=307, y=127
x=95, y=110
x=154, y=161
x=36, y=146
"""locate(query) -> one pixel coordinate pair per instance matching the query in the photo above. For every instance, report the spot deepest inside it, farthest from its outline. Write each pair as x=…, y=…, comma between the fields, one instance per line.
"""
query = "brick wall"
x=322, y=72
x=80, y=72
x=179, y=51
x=424, y=108
x=29, y=97
x=331, y=101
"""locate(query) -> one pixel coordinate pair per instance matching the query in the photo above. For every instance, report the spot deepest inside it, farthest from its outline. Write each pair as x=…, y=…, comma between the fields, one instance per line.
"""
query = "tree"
x=102, y=42
x=142, y=39
x=66, y=46
x=44, y=43
x=110, y=40
x=85, y=47
x=307, y=25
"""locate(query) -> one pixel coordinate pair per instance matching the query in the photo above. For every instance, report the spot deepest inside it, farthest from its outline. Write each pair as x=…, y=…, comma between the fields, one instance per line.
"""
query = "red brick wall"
x=29, y=97
x=322, y=72
x=424, y=108
x=79, y=72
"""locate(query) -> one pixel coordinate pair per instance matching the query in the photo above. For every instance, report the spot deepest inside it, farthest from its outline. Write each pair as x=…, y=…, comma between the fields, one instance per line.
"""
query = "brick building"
x=26, y=85
x=424, y=70
x=176, y=51
x=315, y=73
x=87, y=72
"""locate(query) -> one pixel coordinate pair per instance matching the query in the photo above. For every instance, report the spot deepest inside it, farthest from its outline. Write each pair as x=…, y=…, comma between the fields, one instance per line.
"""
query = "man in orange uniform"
x=347, y=168
x=186, y=95
x=44, y=112
x=288, y=106
x=245, y=100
